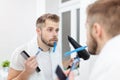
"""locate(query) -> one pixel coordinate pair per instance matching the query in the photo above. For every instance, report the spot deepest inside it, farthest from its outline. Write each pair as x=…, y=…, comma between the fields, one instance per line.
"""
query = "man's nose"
x=55, y=33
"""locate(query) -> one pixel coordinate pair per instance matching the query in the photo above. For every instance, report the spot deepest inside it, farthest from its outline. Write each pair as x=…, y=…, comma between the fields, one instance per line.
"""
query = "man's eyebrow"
x=50, y=27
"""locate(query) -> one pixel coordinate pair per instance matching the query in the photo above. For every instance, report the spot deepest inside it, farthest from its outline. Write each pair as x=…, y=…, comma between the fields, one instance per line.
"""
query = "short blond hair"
x=42, y=19
x=106, y=13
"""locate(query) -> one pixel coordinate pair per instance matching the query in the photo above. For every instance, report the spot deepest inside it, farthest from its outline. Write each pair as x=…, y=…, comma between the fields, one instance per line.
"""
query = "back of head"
x=102, y=1
x=107, y=14
x=42, y=19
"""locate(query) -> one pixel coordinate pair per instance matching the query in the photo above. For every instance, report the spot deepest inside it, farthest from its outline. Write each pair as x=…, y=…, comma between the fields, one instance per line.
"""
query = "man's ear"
x=38, y=30
x=97, y=30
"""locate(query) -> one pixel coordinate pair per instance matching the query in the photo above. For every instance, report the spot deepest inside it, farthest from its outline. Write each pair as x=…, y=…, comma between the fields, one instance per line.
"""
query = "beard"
x=92, y=46
x=50, y=42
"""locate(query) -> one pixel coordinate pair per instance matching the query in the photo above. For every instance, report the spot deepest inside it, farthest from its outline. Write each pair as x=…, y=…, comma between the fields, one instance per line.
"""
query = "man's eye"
x=50, y=30
x=57, y=30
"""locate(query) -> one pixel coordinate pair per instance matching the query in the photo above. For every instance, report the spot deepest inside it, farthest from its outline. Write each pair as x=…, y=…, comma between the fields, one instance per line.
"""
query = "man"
x=103, y=38
x=47, y=27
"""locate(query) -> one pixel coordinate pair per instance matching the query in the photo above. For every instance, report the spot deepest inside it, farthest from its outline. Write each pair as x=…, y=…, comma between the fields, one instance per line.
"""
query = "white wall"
x=17, y=24
x=47, y=6
x=52, y=6
x=40, y=7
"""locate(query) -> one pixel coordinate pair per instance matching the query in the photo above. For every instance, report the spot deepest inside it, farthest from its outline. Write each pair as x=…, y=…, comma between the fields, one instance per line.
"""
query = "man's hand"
x=69, y=74
x=30, y=65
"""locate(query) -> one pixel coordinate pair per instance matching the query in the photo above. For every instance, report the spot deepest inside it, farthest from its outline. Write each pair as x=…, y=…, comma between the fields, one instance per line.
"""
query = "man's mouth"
x=55, y=40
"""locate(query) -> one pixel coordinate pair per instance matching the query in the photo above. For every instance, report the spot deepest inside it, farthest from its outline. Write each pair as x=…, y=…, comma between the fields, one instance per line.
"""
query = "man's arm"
x=17, y=75
x=30, y=66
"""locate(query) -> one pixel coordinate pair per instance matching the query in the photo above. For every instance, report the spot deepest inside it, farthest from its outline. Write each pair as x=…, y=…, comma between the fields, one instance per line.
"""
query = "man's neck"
x=42, y=46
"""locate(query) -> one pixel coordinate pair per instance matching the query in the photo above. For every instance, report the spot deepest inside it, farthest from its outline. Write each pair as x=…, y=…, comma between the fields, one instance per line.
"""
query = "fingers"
x=71, y=75
x=67, y=72
x=71, y=61
x=31, y=58
x=31, y=64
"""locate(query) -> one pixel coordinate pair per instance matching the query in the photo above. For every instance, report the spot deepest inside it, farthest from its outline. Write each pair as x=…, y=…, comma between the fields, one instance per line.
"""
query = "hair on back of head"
x=106, y=13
